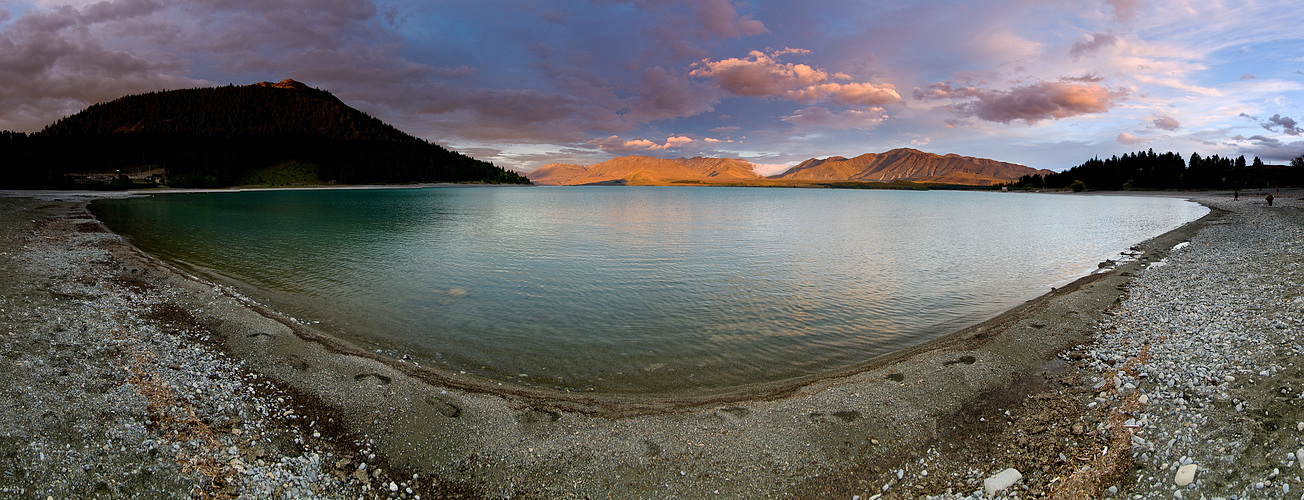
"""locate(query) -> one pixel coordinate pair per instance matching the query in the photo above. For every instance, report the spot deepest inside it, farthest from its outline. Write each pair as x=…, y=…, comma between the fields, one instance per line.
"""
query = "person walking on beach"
x=1269, y=200
x=1236, y=195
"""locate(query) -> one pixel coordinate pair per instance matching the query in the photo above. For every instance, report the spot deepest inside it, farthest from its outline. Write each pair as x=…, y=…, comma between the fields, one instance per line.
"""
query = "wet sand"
x=961, y=400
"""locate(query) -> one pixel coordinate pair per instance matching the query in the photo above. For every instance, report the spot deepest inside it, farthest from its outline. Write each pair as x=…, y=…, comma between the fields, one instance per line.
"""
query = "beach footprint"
x=845, y=416
x=967, y=360
x=535, y=415
x=374, y=378
x=445, y=407
x=732, y=415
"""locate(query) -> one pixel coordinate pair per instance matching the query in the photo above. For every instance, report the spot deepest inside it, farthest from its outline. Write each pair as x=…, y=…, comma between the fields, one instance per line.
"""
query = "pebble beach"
x=1174, y=373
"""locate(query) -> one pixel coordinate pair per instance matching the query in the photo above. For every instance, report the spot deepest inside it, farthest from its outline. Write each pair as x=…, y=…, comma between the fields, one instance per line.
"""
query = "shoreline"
x=803, y=438
x=598, y=404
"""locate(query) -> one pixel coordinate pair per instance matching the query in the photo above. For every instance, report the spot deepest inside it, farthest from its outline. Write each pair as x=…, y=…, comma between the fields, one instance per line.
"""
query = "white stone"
x=1000, y=481
x=1185, y=475
x=1299, y=455
x=1143, y=399
x=1299, y=427
x=1229, y=378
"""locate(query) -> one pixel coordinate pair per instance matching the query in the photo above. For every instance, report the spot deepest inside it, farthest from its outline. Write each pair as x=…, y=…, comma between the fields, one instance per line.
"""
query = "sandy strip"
x=113, y=353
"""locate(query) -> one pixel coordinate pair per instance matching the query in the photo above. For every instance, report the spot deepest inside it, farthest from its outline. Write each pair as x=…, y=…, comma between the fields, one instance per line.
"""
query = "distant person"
x=1236, y=195
x=1269, y=200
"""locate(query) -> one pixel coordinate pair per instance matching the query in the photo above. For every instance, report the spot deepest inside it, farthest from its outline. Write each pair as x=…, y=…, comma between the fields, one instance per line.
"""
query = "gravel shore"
x=127, y=378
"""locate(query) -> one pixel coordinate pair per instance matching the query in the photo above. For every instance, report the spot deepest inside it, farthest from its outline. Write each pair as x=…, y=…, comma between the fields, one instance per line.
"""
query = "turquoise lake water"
x=640, y=289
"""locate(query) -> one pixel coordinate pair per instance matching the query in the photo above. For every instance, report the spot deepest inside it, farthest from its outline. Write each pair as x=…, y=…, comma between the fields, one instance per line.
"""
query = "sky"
x=1044, y=83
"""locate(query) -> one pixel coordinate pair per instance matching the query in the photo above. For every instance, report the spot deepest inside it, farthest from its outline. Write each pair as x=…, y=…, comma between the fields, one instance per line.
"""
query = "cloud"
x=864, y=94
x=1028, y=103
x=1096, y=42
x=945, y=90
x=1126, y=138
x=762, y=75
x=768, y=169
x=614, y=144
x=1124, y=10
x=665, y=95
x=1287, y=124
x=458, y=72
x=55, y=62
x=1269, y=148
x=720, y=18
x=1167, y=123
x=849, y=119
x=1248, y=77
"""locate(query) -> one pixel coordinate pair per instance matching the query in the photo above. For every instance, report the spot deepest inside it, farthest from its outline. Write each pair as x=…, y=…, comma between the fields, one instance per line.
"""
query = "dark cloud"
x=1087, y=47
x=1089, y=77
x=1287, y=124
x=662, y=94
x=945, y=90
x=1268, y=148
x=1167, y=123
x=1028, y=103
x=720, y=18
x=55, y=62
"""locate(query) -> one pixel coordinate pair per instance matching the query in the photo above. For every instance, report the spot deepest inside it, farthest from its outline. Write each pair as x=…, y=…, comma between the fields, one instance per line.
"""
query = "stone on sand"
x=1185, y=475
x=1000, y=481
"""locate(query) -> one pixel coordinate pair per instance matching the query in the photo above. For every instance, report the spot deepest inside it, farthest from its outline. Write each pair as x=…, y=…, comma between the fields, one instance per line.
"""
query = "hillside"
x=209, y=137
x=897, y=165
x=912, y=165
x=634, y=170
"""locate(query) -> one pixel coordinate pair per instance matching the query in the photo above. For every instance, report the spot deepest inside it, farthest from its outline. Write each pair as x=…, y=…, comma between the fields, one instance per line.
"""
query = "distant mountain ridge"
x=644, y=170
x=218, y=136
x=904, y=164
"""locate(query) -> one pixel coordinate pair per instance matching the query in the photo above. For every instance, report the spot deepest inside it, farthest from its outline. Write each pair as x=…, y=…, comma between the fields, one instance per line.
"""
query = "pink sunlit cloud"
x=1049, y=100
x=1167, y=123
x=1126, y=138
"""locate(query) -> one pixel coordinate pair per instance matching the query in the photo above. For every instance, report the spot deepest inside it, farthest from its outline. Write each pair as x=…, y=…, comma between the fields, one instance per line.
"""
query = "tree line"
x=1148, y=170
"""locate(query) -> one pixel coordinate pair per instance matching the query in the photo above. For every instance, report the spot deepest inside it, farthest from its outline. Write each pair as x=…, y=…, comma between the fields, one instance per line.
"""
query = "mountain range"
x=897, y=165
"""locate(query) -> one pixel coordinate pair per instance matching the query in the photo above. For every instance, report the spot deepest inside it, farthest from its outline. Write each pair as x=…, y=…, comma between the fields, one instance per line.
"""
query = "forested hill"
x=224, y=136
x=1148, y=170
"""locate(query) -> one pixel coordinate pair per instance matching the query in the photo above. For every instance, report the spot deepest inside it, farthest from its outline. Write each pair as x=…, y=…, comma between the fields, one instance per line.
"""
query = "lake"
x=640, y=289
